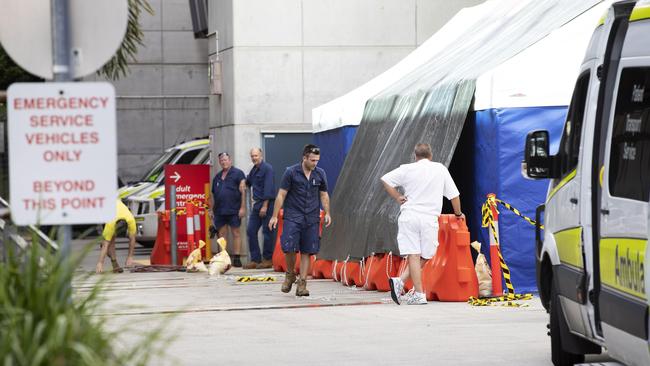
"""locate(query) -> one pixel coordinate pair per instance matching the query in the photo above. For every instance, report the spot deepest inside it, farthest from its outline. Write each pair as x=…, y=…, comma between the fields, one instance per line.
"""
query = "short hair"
x=423, y=151
x=258, y=149
x=310, y=149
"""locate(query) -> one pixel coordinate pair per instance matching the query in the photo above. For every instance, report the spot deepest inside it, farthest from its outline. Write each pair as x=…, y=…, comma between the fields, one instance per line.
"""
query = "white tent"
x=543, y=74
x=347, y=110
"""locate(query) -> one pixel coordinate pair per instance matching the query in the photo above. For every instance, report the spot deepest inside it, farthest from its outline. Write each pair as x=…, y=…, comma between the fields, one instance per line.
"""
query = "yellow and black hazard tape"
x=255, y=279
x=183, y=211
x=506, y=300
x=488, y=220
x=493, y=201
x=199, y=203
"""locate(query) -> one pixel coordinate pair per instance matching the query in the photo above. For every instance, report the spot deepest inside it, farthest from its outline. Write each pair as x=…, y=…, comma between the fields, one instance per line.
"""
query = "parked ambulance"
x=591, y=271
x=182, y=153
x=147, y=203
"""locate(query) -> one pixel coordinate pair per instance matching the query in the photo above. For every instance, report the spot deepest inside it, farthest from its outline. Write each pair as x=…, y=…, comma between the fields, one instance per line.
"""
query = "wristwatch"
x=458, y=215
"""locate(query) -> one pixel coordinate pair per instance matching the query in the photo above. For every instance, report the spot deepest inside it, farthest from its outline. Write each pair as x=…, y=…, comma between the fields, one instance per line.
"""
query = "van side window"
x=570, y=142
x=188, y=156
x=629, y=163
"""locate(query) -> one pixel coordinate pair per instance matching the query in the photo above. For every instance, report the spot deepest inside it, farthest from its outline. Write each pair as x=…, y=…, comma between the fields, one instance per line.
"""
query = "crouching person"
x=109, y=234
x=302, y=191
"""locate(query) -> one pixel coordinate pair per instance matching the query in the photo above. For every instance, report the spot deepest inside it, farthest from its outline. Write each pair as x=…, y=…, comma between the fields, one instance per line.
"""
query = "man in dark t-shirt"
x=302, y=192
x=228, y=203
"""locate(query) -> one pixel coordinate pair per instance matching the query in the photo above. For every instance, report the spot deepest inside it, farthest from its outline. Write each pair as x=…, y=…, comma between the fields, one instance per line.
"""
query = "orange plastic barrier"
x=278, y=259
x=380, y=267
x=161, y=249
x=199, y=211
x=322, y=268
x=353, y=273
x=280, y=263
x=337, y=270
x=450, y=275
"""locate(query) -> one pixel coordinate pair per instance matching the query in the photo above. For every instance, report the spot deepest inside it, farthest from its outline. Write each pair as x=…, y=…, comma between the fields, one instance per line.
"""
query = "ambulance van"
x=182, y=153
x=591, y=271
x=145, y=205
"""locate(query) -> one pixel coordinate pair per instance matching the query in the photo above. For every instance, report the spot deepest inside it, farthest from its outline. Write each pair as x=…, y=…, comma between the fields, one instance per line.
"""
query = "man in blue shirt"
x=260, y=180
x=228, y=203
x=302, y=191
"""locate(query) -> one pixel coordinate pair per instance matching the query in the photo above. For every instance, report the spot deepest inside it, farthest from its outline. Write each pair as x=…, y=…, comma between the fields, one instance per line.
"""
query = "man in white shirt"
x=424, y=183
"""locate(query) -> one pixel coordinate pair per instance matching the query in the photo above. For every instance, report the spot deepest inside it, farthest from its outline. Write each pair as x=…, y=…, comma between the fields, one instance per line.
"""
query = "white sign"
x=97, y=28
x=62, y=153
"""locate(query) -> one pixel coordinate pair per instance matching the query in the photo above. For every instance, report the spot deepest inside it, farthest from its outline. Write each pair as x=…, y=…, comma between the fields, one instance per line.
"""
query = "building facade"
x=164, y=98
x=281, y=58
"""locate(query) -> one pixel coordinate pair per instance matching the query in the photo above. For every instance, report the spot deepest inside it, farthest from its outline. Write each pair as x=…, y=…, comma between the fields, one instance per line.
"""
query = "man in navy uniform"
x=260, y=180
x=302, y=191
x=229, y=203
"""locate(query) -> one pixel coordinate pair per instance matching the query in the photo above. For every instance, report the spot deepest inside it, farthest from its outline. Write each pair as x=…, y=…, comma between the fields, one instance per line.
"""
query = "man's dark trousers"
x=254, y=223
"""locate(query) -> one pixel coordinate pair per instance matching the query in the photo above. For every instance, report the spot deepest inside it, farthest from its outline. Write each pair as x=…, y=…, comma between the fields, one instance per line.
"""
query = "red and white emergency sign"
x=191, y=181
x=62, y=153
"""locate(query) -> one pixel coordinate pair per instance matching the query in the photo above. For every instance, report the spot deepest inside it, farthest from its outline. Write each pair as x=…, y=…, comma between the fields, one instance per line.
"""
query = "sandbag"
x=193, y=260
x=483, y=272
x=220, y=263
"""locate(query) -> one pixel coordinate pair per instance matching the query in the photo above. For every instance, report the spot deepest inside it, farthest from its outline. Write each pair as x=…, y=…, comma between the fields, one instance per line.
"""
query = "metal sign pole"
x=62, y=71
x=61, y=66
x=172, y=223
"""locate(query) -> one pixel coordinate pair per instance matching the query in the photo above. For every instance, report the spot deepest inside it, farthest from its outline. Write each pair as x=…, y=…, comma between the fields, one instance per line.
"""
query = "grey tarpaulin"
x=428, y=105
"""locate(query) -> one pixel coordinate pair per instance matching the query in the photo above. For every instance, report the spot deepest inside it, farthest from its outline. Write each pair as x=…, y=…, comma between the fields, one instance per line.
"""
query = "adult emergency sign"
x=62, y=152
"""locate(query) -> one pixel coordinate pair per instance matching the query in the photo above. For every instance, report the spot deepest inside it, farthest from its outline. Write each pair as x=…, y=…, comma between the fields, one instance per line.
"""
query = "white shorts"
x=417, y=234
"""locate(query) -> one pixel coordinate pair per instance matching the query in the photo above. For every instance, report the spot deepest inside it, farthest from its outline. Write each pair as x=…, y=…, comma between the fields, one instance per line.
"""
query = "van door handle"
x=574, y=201
x=604, y=211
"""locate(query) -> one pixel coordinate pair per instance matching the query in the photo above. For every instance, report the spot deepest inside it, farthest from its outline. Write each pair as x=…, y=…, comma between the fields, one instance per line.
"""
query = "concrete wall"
x=164, y=99
x=282, y=58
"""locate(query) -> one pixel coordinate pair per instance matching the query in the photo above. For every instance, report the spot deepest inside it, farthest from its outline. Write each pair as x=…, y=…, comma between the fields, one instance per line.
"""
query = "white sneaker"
x=396, y=288
x=416, y=298
x=407, y=296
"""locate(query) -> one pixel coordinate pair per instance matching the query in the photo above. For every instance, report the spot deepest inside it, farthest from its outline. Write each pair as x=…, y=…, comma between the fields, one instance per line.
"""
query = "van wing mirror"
x=537, y=162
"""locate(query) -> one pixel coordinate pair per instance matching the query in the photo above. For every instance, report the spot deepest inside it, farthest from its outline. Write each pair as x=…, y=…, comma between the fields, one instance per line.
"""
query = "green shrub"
x=42, y=323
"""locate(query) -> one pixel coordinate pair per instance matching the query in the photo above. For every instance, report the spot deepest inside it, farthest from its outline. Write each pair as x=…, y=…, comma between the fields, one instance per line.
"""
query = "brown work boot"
x=301, y=290
x=289, y=279
x=251, y=265
x=266, y=263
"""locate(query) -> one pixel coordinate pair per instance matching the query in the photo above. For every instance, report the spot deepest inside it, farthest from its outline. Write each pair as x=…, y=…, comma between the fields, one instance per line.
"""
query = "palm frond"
x=118, y=66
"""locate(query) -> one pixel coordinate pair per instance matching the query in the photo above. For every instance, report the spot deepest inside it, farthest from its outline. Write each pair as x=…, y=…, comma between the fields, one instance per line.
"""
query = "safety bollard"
x=495, y=265
x=189, y=220
x=160, y=254
x=166, y=236
x=197, y=224
x=207, y=224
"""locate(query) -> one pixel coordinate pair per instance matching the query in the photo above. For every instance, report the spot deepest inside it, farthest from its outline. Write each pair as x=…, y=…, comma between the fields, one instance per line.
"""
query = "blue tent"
x=529, y=91
x=336, y=144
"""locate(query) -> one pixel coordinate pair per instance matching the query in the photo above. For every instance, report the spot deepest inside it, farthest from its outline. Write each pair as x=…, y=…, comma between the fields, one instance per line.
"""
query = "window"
x=629, y=162
x=188, y=156
x=153, y=174
x=570, y=143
